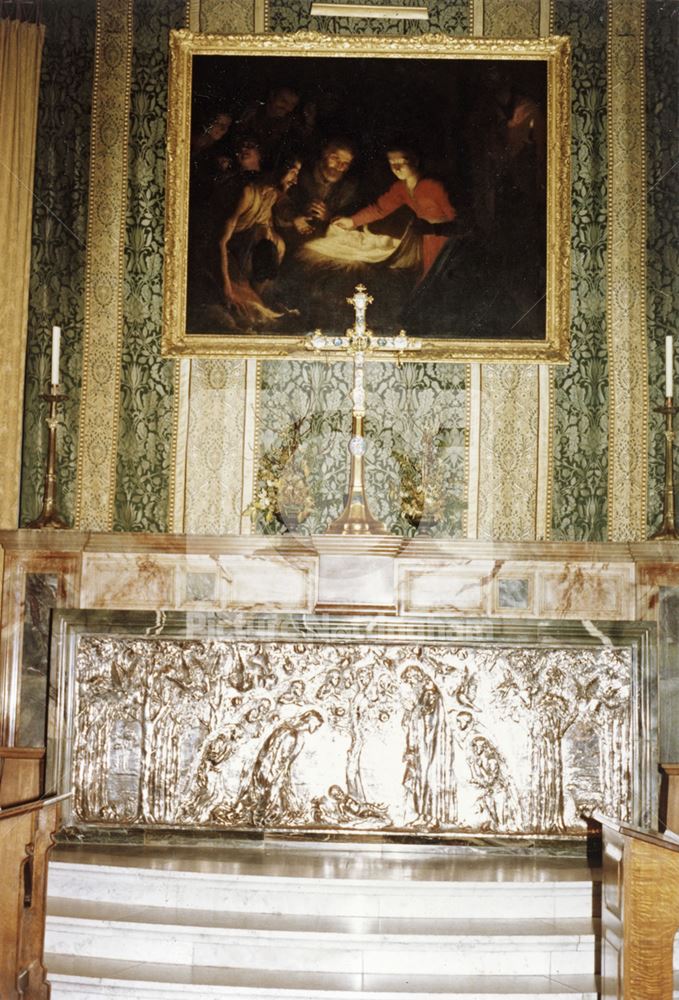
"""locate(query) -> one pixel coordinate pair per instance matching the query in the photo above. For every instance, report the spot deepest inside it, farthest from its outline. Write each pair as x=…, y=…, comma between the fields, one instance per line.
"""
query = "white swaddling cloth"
x=355, y=246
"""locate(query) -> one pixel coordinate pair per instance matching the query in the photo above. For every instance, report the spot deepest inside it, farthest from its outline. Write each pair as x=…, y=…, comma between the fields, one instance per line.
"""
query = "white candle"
x=56, y=349
x=669, y=359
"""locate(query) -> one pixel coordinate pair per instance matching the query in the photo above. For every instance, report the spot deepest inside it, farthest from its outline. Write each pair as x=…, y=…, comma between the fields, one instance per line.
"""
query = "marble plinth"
x=181, y=572
x=392, y=883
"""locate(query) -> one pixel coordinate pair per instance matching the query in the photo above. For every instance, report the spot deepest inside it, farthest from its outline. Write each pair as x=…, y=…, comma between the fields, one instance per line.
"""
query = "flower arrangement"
x=282, y=492
x=422, y=492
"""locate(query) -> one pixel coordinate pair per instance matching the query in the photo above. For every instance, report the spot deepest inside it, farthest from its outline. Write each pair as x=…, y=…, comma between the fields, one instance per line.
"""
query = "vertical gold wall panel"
x=20, y=58
x=472, y=443
x=104, y=280
x=626, y=295
x=192, y=16
x=545, y=453
x=511, y=447
x=214, y=447
x=227, y=17
x=508, y=452
x=518, y=19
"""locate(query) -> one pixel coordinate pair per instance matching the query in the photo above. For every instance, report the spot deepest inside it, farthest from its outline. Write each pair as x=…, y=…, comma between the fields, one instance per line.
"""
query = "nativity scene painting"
x=425, y=179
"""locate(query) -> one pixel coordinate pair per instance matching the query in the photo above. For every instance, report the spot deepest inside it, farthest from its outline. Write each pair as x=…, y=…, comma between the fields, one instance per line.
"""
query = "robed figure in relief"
x=429, y=756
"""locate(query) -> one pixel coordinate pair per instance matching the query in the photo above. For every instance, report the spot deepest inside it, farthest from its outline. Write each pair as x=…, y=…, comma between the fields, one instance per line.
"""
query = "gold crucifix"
x=358, y=341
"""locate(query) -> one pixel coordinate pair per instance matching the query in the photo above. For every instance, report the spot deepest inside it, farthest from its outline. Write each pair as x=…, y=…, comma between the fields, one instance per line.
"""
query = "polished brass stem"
x=356, y=518
x=357, y=342
x=49, y=516
x=668, y=528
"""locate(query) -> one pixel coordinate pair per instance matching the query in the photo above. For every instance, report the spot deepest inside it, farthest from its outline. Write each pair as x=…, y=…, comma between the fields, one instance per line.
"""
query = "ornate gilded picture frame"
x=434, y=170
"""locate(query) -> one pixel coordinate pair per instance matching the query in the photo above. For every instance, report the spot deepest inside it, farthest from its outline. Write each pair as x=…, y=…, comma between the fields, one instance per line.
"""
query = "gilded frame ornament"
x=554, y=278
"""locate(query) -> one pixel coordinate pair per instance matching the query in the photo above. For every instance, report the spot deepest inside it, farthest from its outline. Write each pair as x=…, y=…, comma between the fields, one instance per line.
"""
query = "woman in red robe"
x=424, y=196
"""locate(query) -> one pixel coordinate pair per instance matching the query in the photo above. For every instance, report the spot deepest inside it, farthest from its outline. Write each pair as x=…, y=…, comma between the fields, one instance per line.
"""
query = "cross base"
x=356, y=519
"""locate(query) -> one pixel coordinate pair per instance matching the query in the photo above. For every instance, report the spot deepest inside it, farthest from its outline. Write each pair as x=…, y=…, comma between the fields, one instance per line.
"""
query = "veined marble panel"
x=40, y=596
x=449, y=587
x=585, y=591
x=285, y=582
x=127, y=580
x=574, y=590
x=289, y=723
x=668, y=628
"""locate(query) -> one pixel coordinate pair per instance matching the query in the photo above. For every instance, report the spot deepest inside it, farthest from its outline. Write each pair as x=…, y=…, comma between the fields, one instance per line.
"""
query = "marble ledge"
x=664, y=554
x=604, y=581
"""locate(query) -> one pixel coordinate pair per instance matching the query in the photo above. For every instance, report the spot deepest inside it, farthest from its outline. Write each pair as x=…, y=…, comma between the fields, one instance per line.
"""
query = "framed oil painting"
x=433, y=170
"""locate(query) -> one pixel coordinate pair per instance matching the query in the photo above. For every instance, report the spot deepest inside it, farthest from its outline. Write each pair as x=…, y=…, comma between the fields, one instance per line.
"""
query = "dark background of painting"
x=492, y=281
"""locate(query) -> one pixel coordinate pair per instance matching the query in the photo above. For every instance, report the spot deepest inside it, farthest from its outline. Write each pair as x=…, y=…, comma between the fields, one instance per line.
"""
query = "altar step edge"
x=335, y=894
x=471, y=949
x=80, y=979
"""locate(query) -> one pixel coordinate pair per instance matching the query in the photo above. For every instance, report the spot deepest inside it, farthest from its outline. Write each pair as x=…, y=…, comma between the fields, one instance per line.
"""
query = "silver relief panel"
x=368, y=735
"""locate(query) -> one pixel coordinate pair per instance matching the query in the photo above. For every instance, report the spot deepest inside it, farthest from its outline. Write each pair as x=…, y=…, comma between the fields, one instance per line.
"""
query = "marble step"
x=351, y=945
x=85, y=979
x=319, y=922
x=340, y=883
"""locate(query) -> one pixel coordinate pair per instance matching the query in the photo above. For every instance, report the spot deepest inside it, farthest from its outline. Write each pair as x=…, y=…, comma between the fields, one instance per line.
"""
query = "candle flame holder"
x=668, y=528
x=49, y=516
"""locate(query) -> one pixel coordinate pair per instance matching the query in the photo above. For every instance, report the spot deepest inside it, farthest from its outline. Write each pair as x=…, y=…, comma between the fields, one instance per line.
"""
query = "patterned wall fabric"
x=581, y=391
x=144, y=444
x=105, y=267
x=445, y=16
x=58, y=245
x=143, y=472
x=224, y=16
x=662, y=139
x=415, y=460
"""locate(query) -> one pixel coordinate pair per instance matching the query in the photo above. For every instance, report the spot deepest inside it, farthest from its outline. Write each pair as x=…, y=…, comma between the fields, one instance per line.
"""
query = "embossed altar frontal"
x=302, y=723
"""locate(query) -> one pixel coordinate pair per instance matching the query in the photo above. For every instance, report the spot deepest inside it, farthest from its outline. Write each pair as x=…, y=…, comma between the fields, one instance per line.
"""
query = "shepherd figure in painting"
x=251, y=249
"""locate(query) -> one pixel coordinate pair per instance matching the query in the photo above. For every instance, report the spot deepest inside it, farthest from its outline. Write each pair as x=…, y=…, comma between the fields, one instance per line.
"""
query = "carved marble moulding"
x=295, y=723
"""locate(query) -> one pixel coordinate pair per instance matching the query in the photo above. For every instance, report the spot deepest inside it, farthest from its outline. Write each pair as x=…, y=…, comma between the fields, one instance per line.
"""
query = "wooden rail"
x=639, y=911
x=21, y=775
x=26, y=838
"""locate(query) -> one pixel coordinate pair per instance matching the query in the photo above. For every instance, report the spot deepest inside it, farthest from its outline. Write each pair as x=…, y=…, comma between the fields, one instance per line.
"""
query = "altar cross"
x=358, y=341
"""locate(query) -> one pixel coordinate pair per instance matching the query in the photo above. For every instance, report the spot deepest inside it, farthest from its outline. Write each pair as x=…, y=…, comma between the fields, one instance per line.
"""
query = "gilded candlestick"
x=668, y=528
x=49, y=516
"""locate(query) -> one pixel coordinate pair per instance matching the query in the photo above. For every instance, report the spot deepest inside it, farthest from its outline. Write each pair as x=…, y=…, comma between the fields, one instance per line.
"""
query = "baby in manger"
x=353, y=248
x=347, y=242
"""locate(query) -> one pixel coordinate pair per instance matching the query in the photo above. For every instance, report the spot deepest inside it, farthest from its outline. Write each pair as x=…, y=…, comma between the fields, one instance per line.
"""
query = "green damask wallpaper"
x=445, y=16
x=581, y=389
x=58, y=244
x=415, y=461
x=662, y=138
x=308, y=403
x=144, y=444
